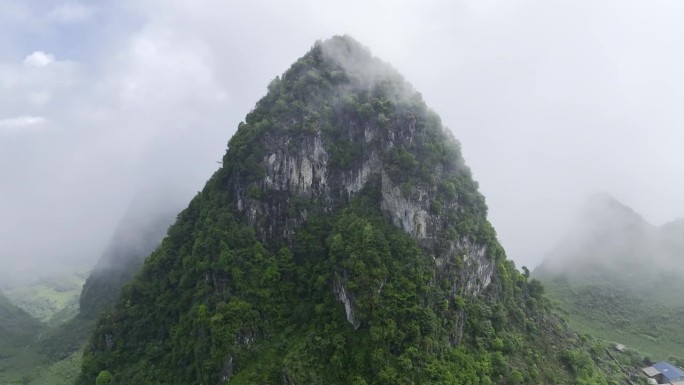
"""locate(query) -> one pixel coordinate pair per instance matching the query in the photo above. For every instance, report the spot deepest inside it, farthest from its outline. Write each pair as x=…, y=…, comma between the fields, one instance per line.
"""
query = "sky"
x=552, y=101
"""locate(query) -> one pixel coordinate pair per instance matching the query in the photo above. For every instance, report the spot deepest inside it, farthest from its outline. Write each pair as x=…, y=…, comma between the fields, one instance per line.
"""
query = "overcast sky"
x=552, y=101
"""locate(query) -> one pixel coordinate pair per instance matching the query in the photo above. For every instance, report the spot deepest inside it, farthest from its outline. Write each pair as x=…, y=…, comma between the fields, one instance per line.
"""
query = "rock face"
x=343, y=240
x=387, y=135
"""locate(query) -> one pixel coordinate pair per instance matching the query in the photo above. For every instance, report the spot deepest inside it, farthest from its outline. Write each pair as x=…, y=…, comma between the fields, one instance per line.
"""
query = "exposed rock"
x=349, y=306
x=226, y=372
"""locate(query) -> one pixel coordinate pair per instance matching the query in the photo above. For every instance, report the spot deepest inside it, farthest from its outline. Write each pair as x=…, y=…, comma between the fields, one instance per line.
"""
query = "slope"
x=18, y=331
x=50, y=353
x=138, y=233
x=617, y=277
x=343, y=241
x=50, y=299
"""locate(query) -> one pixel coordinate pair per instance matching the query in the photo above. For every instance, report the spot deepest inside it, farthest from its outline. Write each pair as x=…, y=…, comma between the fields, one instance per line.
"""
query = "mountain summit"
x=605, y=237
x=343, y=241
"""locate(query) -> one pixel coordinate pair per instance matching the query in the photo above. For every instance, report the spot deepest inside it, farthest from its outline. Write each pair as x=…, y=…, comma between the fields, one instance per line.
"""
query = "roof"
x=651, y=371
x=677, y=382
x=669, y=371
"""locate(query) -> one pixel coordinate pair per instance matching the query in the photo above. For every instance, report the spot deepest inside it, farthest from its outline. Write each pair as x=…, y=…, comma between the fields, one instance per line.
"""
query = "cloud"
x=551, y=100
x=145, y=112
x=71, y=12
x=21, y=123
x=39, y=59
x=39, y=98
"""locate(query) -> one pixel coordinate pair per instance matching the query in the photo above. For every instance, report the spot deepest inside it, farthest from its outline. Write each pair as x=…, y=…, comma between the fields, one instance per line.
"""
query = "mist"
x=609, y=241
x=551, y=100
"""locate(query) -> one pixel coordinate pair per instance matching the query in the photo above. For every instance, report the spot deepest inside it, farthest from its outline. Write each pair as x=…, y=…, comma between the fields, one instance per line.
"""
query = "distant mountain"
x=50, y=299
x=18, y=333
x=139, y=232
x=42, y=354
x=606, y=236
x=618, y=277
x=343, y=241
x=17, y=327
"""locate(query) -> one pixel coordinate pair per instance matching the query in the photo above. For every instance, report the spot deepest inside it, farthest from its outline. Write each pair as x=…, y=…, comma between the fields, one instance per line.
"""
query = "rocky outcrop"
x=305, y=167
x=303, y=172
x=341, y=293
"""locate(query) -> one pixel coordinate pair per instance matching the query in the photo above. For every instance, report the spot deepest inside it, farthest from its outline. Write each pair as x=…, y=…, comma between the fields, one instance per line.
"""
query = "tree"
x=104, y=378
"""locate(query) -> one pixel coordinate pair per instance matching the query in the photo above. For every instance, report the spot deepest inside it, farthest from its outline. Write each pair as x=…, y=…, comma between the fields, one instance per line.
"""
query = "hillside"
x=52, y=300
x=50, y=353
x=18, y=331
x=138, y=233
x=615, y=276
x=343, y=241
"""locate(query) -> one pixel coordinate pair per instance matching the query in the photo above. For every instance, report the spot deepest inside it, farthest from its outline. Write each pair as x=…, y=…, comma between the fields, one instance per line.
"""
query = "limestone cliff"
x=365, y=125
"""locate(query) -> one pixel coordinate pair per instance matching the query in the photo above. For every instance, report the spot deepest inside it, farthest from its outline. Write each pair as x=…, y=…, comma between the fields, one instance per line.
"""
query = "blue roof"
x=669, y=371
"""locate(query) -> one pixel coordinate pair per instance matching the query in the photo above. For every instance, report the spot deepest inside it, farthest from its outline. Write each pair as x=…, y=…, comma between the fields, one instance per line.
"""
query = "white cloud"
x=20, y=123
x=39, y=59
x=71, y=12
x=39, y=98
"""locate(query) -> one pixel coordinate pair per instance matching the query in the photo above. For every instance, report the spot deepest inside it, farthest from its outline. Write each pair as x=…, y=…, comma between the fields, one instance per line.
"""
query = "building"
x=665, y=373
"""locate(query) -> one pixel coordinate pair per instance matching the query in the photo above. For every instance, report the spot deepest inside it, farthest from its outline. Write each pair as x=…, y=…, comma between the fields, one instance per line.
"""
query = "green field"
x=648, y=321
x=29, y=367
x=51, y=300
x=29, y=315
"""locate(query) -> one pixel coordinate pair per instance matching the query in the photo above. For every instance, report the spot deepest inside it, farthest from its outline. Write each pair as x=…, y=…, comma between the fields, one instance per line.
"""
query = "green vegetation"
x=17, y=333
x=648, y=322
x=280, y=312
x=62, y=372
x=52, y=300
x=258, y=284
x=51, y=353
x=24, y=340
x=617, y=277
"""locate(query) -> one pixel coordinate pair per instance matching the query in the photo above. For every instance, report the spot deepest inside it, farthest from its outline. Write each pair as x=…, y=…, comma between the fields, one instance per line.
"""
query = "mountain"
x=17, y=327
x=138, y=233
x=616, y=276
x=343, y=241
x=52, y=299
x=18, y=331
x=38, y=353
x=605, y=236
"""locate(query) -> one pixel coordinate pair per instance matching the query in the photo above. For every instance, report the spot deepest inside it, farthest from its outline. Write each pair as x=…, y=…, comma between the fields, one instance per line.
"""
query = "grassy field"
x=23, y=360
x=648, y=321
x=62, y=372
x=52, y=300
x=28, y=367
x=20, y=364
